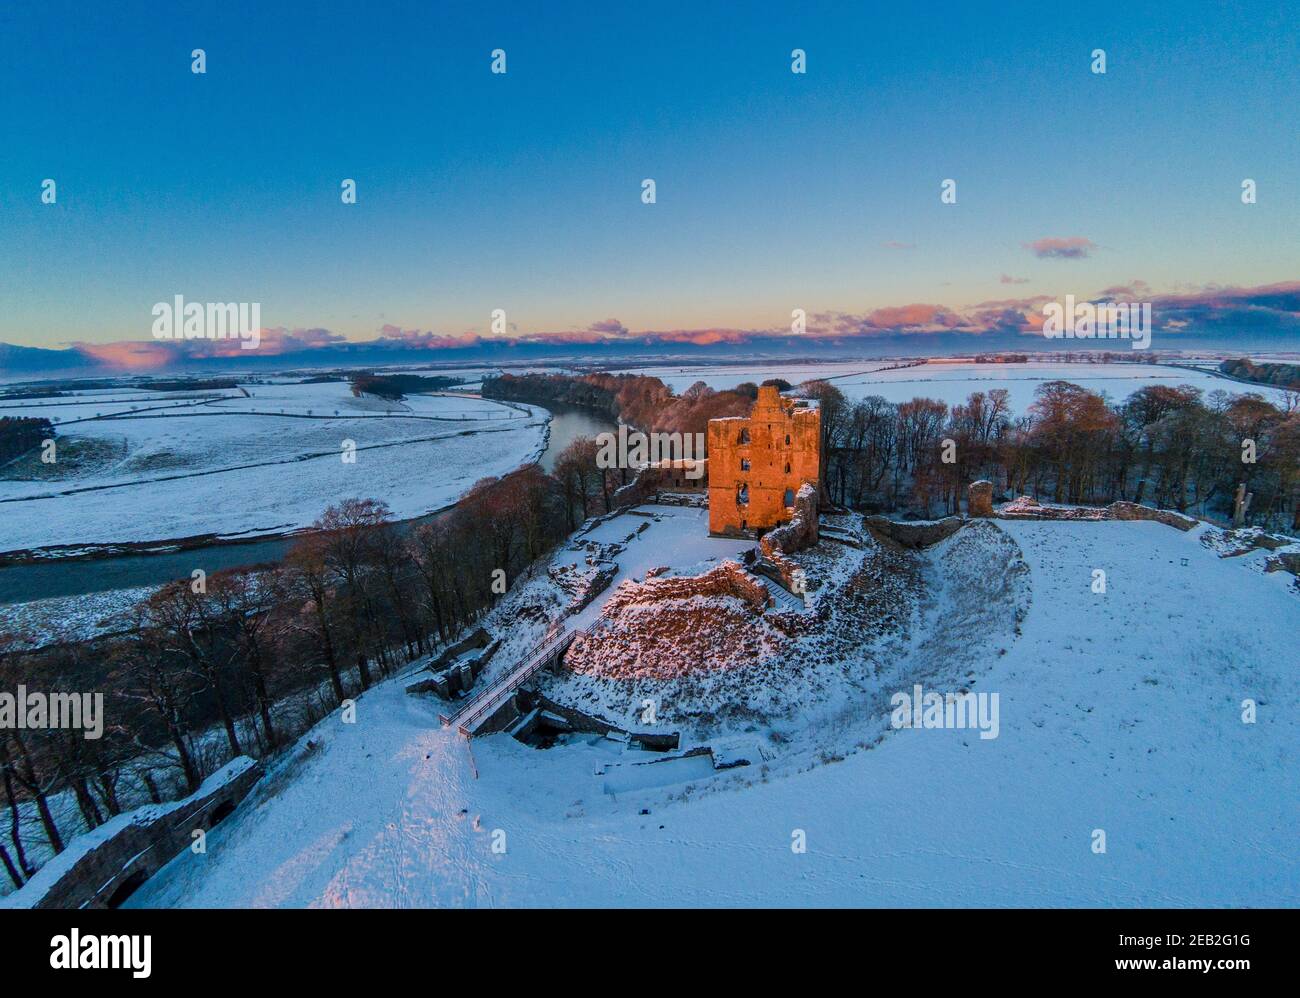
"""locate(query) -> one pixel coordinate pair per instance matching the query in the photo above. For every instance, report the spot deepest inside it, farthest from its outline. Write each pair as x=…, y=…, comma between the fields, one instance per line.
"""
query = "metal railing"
x=486, y=703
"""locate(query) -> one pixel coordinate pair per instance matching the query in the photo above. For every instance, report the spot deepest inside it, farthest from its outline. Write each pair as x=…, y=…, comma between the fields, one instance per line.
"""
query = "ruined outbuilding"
x=757, y=464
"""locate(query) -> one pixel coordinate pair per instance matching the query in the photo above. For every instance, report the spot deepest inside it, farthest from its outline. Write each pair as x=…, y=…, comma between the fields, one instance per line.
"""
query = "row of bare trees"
x=1172, y=447
x=241, y=661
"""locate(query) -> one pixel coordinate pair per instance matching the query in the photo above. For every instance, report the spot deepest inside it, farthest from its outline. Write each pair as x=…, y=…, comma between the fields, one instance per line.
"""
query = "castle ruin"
x=758, y=463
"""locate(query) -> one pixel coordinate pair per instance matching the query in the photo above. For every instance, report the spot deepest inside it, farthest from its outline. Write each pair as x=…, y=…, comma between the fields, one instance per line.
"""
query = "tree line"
x=1278, y=375
x=1172, y=447
x=643, y=402
x=19, y=434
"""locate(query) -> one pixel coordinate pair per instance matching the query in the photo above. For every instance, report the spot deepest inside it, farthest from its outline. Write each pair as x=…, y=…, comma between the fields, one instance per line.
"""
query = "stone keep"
x=758, y=463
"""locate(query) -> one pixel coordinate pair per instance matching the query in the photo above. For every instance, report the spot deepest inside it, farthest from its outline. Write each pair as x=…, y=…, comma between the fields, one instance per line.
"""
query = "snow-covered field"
x=262, y=459
x=83, y=407
x=1119, y=711
x=952, y=382
x=720, y=376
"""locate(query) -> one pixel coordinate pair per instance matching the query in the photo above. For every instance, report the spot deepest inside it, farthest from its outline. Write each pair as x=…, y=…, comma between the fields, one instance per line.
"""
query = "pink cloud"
x=916, y=316
x=132, y=355
x=427, y=339
x=1061, y=247
x=1132, y=291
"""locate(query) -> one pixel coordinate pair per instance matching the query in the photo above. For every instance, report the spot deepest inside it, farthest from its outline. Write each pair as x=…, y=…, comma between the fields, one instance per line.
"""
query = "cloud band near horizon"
x=1211, y=311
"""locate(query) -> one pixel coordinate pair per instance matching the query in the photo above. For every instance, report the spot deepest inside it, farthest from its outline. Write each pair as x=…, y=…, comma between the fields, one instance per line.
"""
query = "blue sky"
x=775, y=190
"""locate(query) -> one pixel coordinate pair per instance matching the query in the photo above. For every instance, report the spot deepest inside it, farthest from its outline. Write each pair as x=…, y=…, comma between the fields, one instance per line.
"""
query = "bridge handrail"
x=491, y=699
x=489, y=696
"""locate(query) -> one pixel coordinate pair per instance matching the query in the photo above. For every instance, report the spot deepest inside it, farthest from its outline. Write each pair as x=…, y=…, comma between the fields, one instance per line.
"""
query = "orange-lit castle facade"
x=757, y=464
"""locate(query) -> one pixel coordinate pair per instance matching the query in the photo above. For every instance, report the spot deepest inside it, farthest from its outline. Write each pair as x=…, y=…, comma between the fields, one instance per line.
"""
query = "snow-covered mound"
x=876, y=618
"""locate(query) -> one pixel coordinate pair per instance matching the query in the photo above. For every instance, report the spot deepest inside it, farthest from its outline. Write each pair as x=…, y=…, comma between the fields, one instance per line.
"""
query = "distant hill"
x=16, y=361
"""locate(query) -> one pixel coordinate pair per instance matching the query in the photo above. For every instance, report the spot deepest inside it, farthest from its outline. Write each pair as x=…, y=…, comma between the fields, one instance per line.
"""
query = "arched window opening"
x=742, y=495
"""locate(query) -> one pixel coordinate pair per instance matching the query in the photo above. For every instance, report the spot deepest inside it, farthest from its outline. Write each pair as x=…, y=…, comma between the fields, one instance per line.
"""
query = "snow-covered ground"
x=83, y=407
x=1119, y=711
x=678, y=538
x=952, y=382
x=264, y=459
x=720, y=376
x=70, y=618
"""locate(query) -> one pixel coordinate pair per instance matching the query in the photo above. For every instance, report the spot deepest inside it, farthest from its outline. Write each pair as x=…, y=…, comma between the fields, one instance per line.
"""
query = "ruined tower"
x=757, y=463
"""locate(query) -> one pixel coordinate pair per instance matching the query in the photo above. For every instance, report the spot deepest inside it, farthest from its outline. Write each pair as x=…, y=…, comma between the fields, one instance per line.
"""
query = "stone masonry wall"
x=133, y=846
x=727, y=579
x=1132, y=511
x=914, y=534
x=1027, y=508
x=800, y=533
x=654, y=479
x=979, y=501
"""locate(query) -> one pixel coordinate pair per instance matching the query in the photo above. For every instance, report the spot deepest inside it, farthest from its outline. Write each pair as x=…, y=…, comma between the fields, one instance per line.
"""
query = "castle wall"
x=781, y=443
x=100, y=867
x=797, y=535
